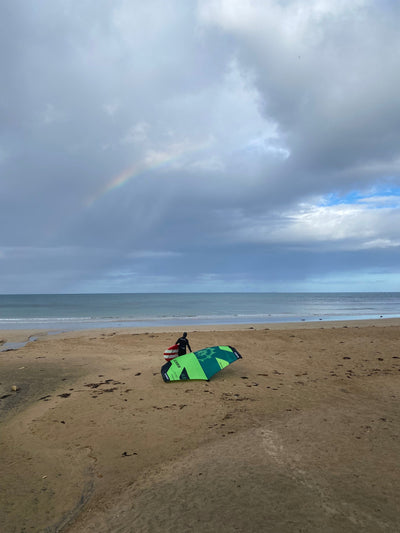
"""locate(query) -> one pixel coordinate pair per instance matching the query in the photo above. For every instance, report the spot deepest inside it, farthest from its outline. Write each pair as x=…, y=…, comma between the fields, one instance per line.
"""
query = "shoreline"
x=23, y=335
x=302, y=433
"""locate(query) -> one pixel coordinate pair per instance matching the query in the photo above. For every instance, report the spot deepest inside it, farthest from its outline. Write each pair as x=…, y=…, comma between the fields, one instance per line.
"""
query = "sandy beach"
x=301, y=435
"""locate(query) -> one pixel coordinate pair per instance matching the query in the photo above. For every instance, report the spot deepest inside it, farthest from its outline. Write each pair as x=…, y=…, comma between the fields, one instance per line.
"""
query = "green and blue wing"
x=202, y=364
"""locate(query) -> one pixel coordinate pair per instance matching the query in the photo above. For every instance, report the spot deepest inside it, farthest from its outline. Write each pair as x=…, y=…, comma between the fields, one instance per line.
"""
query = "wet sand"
x=302, y=434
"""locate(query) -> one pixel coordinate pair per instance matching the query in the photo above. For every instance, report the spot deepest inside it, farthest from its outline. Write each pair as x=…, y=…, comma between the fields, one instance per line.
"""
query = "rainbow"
x=152, y=161
x=118, y=181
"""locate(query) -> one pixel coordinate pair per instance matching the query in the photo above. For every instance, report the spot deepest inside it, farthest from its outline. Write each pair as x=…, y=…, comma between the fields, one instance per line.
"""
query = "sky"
x=199, y=146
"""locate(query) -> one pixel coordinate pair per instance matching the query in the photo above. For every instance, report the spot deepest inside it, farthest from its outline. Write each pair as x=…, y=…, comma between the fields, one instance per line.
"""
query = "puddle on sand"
x=8, y=346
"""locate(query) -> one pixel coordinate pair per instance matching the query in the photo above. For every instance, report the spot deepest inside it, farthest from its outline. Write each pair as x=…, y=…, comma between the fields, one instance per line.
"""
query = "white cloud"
x=363, y=225
x=380, y=243
x=111, y=108
x=136, y=134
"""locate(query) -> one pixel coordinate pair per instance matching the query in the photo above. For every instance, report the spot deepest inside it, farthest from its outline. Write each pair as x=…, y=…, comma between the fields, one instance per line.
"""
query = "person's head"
x=185, y=334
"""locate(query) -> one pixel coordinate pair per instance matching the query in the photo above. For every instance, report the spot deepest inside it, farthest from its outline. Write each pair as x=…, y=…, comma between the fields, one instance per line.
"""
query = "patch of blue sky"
x=377, y=197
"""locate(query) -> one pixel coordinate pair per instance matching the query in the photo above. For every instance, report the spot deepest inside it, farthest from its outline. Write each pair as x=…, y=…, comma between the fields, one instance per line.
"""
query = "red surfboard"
x=171, y=352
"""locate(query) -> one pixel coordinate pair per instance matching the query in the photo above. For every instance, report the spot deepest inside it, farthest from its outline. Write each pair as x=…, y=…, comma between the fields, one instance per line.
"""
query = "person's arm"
x=190, y=349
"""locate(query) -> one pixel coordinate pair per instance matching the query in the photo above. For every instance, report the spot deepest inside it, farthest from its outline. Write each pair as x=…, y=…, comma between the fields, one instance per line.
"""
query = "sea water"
x=65, y=312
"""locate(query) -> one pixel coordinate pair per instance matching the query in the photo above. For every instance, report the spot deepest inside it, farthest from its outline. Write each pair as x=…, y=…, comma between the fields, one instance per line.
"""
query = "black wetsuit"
x=182, y=342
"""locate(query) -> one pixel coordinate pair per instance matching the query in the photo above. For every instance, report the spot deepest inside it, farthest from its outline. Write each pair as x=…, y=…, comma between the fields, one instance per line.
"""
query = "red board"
x=171, y=352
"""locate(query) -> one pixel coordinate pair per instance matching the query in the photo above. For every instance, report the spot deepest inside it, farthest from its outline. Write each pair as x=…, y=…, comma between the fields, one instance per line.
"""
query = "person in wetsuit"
x=183, y=342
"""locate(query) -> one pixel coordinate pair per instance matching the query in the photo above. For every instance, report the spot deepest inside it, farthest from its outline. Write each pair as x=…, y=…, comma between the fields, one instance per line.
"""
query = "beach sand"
x=301, y=435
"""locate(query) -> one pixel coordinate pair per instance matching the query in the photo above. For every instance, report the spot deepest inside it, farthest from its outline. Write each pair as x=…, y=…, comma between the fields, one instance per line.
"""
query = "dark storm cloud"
x=193, y=145
x=327, y=75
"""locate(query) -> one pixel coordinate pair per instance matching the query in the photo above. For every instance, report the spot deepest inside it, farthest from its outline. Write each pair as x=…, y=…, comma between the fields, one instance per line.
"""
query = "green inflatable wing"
x=199, y=365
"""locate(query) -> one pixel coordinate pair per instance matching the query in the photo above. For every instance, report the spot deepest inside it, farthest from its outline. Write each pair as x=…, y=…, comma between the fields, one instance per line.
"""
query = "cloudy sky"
x=210, y=145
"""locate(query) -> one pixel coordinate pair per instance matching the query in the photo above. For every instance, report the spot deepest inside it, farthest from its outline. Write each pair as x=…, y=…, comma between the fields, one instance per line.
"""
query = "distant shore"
x=301, y=434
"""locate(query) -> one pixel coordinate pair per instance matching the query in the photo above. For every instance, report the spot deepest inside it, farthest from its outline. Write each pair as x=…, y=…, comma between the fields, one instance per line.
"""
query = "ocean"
x=66, y=312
